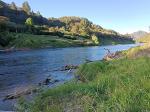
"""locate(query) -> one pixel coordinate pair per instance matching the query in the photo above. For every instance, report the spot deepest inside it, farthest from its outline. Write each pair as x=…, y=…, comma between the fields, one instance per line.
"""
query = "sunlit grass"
x=116, y=86
x=24, y=40
x=39, y=41
x=138, y=51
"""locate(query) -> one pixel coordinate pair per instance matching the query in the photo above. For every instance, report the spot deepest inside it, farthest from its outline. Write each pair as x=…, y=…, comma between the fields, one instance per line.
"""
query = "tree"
x=62, y=29
x=75, y=29
x=32, y=13
x=38, y=13
x=26, y=7
x=29, y=22
x=52, y=29
x=95, y=39
x=3, y=23
x=13, y=6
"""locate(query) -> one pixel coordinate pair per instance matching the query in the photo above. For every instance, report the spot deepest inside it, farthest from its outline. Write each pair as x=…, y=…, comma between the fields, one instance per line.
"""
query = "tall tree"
x=13, y=6
x=38, y=13
x=95, y=39
x=29, y=22
x=26, y=7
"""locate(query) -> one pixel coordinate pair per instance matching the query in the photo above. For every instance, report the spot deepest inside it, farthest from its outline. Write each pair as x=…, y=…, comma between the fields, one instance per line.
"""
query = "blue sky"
x=124, y=16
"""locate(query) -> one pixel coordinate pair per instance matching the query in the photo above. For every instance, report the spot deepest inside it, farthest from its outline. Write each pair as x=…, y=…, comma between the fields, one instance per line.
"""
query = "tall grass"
x=138, y=51
x=24, y=40
x=116, y=86
x=39, y=41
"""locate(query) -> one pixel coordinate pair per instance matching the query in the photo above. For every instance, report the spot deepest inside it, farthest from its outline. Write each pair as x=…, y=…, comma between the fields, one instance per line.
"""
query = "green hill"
x=144, y=39
x=138, y=34
x=13, y=19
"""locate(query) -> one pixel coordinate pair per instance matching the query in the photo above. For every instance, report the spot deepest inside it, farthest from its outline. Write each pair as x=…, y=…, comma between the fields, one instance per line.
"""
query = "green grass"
x=114, y=86
x=38, y=41
x=22, y=40
x=138, y=51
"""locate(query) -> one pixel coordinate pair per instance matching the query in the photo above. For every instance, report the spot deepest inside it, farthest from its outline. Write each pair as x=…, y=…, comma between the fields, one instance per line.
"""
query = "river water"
x=22, y=69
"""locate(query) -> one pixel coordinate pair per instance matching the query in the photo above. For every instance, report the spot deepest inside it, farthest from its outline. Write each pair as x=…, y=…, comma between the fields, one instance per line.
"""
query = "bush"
x=95, y=39
x=5, y=39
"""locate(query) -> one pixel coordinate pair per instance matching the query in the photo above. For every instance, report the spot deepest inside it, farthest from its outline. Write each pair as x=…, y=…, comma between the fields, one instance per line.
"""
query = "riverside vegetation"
x=22, y=28
x=119, y=85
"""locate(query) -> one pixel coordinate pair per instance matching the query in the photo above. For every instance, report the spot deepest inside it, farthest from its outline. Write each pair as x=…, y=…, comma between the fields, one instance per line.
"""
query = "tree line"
x=24, y=20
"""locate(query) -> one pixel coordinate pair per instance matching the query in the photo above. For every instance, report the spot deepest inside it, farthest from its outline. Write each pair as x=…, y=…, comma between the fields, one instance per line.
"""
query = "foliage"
x=26, y=7
x=74, y=28
x=95, y=39
x=5, y=40
x=7, y=26
x=13, y=6
x=29, y=22
x=38, y=13
x=83, y=27
x=3, y=22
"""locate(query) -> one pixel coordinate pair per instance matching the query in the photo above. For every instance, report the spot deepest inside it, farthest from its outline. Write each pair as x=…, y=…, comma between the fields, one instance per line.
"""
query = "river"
x=22, y=69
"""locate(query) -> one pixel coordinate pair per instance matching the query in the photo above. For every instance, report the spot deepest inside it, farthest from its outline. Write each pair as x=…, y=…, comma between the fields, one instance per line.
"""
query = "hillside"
x=145, y=39
x=14, y=19
x=18, y=15
x=138, y=34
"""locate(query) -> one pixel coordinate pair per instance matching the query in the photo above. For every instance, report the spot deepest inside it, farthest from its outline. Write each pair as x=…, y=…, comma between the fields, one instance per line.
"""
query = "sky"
x=123, y=16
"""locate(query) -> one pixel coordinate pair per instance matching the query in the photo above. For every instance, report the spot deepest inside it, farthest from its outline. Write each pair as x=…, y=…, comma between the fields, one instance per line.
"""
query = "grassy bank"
x=26, y=40
x=135, y=52
x=104, y=86
x=22, y=40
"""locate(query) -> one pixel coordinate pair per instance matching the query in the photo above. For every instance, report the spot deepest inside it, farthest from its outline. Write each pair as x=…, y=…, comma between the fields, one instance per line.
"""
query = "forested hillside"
x=14, y=19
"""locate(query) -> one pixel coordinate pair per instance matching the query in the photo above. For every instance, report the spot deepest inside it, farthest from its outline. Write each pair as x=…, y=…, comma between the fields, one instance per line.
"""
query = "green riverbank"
x=120, y=85
x=32, y=41
x=23, y=40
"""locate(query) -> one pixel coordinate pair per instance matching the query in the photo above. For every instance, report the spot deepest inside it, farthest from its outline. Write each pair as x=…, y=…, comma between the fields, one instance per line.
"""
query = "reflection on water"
x=26, y=68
